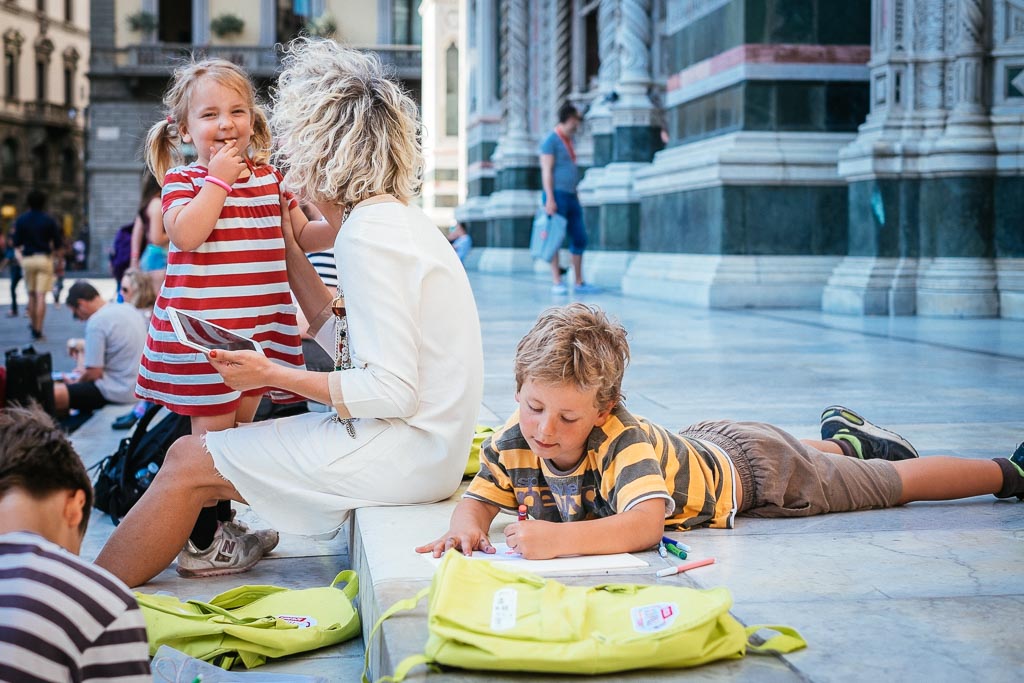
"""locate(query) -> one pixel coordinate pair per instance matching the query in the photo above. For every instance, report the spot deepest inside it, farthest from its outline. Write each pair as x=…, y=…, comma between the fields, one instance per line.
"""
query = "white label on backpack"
x=297, y=621
x=503, y=610
x=653, y=618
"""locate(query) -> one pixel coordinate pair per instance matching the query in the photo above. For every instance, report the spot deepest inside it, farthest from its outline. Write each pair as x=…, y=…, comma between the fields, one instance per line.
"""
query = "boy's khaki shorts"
x=782, y=477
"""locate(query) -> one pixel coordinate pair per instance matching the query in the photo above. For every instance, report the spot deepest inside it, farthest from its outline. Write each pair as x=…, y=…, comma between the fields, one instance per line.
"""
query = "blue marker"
x=661, y=550
x=671, y=541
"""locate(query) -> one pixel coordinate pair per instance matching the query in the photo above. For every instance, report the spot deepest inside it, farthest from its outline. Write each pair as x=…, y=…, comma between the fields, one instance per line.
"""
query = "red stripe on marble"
x=761, y=53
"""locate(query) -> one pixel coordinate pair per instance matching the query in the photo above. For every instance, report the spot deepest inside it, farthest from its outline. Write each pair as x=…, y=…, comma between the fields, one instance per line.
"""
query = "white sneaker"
x=268, y=538
x=230, y=553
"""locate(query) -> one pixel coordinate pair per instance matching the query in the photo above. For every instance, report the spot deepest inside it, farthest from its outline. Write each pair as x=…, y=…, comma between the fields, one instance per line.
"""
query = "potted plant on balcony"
x=323, y=26
x=226, y=25
x=142, y=22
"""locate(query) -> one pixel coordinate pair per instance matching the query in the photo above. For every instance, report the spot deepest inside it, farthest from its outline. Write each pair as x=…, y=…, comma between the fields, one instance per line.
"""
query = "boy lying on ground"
x=573, y=453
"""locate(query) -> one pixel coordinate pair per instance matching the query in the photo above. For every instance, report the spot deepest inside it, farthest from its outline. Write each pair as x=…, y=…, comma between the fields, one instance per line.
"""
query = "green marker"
x=676, y=550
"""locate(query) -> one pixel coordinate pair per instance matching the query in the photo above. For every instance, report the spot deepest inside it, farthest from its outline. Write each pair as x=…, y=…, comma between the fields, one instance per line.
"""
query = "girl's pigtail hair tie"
x=170, y=119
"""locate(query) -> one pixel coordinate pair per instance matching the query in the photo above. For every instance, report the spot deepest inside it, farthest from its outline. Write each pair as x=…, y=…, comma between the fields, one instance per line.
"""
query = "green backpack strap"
x=788, y=640
x=351, y=580
x=409, y=662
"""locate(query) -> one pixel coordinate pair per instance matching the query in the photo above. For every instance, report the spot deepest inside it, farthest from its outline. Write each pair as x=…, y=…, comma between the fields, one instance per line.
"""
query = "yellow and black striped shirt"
x=628, y=460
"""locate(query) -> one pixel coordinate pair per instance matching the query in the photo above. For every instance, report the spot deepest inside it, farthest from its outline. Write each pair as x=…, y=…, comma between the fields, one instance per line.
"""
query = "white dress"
x=416, y=386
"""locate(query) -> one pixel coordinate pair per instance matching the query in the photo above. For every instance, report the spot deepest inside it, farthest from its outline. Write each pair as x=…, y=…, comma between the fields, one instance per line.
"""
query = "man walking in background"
x=38, y=239
x=559, y=177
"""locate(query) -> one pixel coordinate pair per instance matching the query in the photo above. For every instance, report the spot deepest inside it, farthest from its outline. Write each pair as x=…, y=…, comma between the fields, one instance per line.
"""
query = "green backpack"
x=483, y=617
x=251, y=623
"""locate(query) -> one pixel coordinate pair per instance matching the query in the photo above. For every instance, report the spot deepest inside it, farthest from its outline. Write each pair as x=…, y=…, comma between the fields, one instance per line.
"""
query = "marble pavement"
x=930, y=591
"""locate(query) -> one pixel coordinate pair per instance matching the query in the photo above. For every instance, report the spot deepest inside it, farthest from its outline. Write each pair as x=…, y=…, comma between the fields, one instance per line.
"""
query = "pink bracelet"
x=220, y=183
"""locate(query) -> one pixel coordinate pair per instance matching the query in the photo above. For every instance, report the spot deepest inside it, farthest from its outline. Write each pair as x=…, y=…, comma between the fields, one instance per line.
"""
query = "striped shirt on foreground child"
x=61, y=618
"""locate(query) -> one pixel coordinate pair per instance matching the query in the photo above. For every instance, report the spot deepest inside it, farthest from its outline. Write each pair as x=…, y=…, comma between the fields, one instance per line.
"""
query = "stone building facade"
x=135, y=44
x=43, y=97
x=860, y=157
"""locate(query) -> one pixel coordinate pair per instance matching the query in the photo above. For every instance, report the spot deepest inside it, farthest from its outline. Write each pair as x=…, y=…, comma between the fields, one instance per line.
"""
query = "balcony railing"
x=159, y=59
x=41, y=113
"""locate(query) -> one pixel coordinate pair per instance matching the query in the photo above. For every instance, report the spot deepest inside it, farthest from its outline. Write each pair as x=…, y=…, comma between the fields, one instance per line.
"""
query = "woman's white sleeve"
x=382, y=298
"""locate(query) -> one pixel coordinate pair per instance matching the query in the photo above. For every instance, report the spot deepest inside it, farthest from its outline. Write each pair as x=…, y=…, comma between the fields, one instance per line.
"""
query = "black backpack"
x=29, y=377
x=123, y=477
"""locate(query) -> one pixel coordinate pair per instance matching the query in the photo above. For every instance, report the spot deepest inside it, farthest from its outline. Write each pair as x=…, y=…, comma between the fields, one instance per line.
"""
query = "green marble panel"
x=602, y=149
x=591, y=218
x=527, y=178
x=844, y=23
x=478, y=232
x=786, y=220
x=705, y=37
x=509, y=232
x=884, y=218
x=636, y=143
x=1009, y=200
x=480, y=187
x=682, y=222
x=958, y=216
x=824, y=22
x=482, y=151
x=751, y=221
x=618, y=228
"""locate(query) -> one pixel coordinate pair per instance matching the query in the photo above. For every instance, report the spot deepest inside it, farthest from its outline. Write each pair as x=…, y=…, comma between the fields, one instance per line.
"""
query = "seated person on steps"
x=62, y=619
x=620, y=481
x=114, y=337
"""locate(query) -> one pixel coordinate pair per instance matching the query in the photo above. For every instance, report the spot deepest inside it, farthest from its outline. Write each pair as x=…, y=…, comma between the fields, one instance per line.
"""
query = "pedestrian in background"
x=559, y=177
x=14, y=271
x=37, y=238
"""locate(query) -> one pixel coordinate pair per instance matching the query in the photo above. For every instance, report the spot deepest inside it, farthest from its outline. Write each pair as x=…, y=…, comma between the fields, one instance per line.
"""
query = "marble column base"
x=716, y=281
x=604, y=268
x=868, y=285
x=1010, y=275
x=501, y=260
x=958, y=287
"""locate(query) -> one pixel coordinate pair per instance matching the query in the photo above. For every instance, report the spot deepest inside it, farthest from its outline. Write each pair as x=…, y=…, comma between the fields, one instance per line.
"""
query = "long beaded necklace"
x=343, y=357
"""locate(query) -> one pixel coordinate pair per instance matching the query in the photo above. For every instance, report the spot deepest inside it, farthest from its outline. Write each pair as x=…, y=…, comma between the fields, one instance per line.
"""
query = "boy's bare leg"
x=823, y=446
x=156, y=528
x=943, y=477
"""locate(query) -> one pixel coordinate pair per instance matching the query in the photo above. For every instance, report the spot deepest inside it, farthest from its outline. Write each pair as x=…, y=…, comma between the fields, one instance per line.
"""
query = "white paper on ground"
x=579, y=564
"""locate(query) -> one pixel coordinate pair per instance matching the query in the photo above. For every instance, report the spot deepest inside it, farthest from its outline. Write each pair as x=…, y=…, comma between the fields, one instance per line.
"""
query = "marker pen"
x=679, y=569
x=522, y=513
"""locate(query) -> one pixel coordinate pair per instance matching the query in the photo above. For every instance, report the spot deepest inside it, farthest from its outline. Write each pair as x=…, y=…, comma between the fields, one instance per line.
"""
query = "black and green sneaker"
x=868, y=440
x=1013, y=474
x=1018, y=457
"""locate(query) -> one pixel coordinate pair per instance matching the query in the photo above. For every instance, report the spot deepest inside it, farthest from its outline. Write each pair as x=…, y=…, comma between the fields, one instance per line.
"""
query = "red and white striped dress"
x=236, y=279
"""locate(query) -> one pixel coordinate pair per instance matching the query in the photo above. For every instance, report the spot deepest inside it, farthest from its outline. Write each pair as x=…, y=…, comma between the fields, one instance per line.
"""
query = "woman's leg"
x=156, y=528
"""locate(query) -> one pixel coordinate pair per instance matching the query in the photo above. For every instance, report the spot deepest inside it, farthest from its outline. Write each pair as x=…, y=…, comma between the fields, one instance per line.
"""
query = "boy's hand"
x=534, y=539
x=466, y=540
x=227, y=163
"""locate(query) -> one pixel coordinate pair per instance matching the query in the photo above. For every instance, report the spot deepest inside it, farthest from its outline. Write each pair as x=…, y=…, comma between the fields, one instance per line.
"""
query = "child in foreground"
x=573, y=453
x=61, y=618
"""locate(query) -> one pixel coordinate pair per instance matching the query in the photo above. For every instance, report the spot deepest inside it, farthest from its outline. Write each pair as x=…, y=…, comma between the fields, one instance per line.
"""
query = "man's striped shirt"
x=63, y=619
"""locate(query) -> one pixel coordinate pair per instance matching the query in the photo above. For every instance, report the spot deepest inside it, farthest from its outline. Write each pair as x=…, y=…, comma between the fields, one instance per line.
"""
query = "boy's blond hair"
x=344, y=131
x=578, y=345
x=163, y=143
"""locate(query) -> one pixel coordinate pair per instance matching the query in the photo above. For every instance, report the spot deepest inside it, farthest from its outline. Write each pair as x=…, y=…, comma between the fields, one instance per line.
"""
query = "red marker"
x=522, y=513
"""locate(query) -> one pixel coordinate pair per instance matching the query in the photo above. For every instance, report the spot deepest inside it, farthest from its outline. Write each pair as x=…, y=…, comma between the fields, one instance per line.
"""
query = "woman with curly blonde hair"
x=406, y=335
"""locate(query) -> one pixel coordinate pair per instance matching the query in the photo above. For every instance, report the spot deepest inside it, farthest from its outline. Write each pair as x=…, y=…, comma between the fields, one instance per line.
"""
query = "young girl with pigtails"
x=226, y=264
